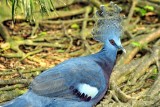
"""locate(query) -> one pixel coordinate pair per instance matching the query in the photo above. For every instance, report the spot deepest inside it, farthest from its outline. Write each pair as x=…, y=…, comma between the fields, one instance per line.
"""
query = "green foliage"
x=144, y=10
x=139, y=45
x=42, y=34
x=136, y=44
x=29, y=7
x=75, y=26
x=4, y=11
x=61, y=51
x=141, y=11
x=46, y=6
x=150, y=8
x=155, y=73
x=14, y=3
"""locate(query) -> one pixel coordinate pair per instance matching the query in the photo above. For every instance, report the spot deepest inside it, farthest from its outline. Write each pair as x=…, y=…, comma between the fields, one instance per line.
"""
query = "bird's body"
x=77, y=82
x=53, y=87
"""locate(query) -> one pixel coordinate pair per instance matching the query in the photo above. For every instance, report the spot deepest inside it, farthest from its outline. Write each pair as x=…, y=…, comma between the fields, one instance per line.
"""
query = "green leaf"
x=29, y=7
x=45, y=6
x=61, y=51
x=75, y=26
x=136, y=44
x=14, y=6
x=141, y=11
x=51, y=5
x=43, y=34
x=155, y=71
x=151, y=8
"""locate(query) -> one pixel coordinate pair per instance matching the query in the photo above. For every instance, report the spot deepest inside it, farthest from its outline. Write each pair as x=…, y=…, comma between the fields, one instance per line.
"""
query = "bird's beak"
x=119, y=45
x=121, y=48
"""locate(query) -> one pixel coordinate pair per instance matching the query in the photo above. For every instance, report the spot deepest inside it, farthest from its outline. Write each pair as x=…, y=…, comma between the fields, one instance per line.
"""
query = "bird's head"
x=114, y=42
x=108, y=28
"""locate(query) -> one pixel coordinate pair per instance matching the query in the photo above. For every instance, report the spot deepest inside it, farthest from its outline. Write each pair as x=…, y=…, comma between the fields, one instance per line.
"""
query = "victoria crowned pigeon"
x=80, y=81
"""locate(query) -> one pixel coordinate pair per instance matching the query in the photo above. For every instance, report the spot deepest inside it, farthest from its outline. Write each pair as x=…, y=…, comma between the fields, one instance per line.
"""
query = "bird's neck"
x=106, y=59
x=109, y=53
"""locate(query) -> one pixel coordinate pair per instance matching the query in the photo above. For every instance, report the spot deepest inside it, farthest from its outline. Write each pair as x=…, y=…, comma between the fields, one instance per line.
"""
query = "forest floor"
x=27, y=49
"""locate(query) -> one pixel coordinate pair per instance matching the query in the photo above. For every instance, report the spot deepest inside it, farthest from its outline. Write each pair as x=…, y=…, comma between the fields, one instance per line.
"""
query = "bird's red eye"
x=112, y=41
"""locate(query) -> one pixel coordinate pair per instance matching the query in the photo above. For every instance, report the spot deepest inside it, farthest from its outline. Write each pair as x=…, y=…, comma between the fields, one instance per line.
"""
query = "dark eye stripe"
x=112, y=42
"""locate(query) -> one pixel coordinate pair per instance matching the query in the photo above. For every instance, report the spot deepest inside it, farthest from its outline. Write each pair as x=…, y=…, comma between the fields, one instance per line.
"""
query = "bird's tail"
x=68, y=103
x=18, y=102
x=30, y=99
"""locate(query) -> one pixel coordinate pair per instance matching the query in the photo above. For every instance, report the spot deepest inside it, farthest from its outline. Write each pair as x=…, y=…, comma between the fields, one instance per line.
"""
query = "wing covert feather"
x=56, y=81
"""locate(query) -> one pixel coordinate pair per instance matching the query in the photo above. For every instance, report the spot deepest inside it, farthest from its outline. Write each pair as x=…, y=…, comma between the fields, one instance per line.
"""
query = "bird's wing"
x=54, y=82
x=60, y=80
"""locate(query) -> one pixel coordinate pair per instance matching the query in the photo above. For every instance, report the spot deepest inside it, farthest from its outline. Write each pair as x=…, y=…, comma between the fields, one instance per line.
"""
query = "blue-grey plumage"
x=81, y=81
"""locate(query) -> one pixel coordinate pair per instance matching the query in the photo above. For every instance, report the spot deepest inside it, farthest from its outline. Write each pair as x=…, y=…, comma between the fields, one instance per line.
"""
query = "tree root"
x=136, y=80
x=156, y=7
x=7, y=88
x=83, y=32
x=15, y=81
x=15, y=42
x=144, y=66
x=62, y=14
x=8, y=95
x=133, y=51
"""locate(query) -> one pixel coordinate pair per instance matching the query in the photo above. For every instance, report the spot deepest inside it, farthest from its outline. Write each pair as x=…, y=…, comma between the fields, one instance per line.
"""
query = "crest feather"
x=108, y=22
